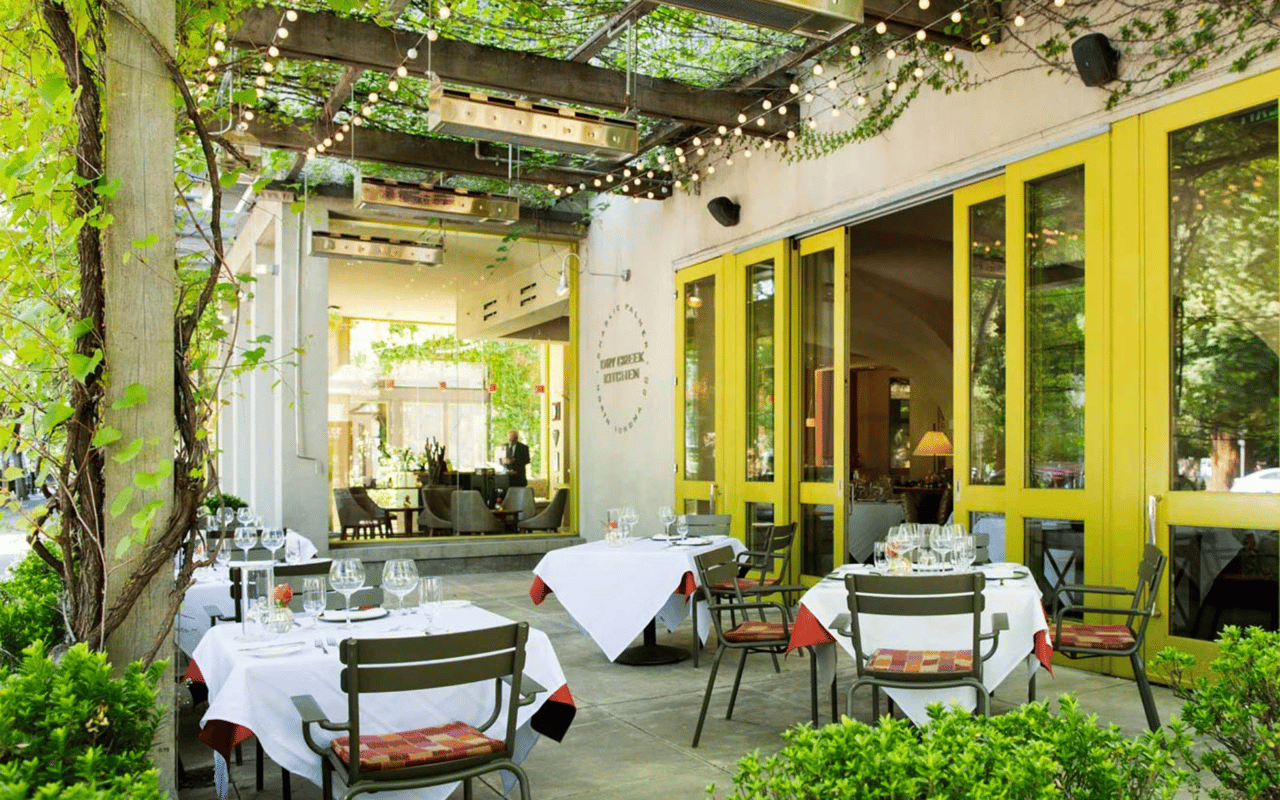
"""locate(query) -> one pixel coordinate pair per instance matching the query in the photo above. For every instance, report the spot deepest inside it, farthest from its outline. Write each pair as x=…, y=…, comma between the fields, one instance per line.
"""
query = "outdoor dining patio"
x=630, y=738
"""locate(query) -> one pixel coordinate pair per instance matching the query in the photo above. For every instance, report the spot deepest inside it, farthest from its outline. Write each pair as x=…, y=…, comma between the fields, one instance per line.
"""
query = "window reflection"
x=817, y=343
x=986, y=342
x=1225, y=304
x=700, y=379
x=760, y=377
x=1220, y=577
x=817, y=539
x=1055, y=555
x=1055, y=331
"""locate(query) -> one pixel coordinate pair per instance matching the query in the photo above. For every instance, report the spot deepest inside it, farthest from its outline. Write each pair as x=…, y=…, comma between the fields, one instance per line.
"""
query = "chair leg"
x=875, y=703
x=286, y=787
x=697, y=643
x=326, y=780
x=259, y=757
x=239, y=754
x=706, y=698
x=813, y=690
x=737, y=680
x=1031, y=687
x=1144, y=689
x=776, y=666
x=835, y=709
x=523, y=780
x=466, y=789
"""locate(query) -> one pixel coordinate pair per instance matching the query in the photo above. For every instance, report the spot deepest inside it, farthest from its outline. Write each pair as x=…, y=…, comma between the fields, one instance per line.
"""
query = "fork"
x=332, y=642
x=320, y=644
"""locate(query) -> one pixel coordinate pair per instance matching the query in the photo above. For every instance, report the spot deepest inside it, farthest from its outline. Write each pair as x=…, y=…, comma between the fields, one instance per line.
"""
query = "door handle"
x=1152, y=501
x=712, y=498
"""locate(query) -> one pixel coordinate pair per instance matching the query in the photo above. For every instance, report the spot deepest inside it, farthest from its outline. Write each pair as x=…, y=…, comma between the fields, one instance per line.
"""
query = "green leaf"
x=53, y=88
x=297, y=206
x=142, y=244
x=56, y=416
x=106, y=435
x=130, y=452
x=81, y=327
x=247, y=96
x=122, y=547
x=141, y=520
x=121, y=501
x=11, y=473
x=81, y=365
x=30, y=352
x=152, y=480
x=134, y=394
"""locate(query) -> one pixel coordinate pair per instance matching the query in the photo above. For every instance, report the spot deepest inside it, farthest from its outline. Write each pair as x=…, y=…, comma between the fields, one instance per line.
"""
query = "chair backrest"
x=350, y=514
x=519, y=498
x=1150, y=572
x=709, y=524
x=776, y=551
x=550, y=517
x=917, y=596
x=362, y=498
x=471, y=515
x=982, y=548
x=429, y=662
x=439, y=501
x=719, y=566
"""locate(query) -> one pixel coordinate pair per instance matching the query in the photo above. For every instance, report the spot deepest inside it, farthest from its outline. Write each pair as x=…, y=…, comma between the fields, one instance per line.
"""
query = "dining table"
x=1009, y=589
x=250, y=684
x=617, y=591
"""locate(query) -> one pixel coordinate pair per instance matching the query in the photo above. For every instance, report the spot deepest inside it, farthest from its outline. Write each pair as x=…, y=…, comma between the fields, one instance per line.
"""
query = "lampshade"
x=933, y=443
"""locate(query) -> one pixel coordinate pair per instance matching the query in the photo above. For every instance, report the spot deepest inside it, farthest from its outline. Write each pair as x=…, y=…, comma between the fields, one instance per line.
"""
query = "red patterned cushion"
x=921, y=661
x=414, y=748
x=1098, y=637
x=753, y=630
x=744, y=584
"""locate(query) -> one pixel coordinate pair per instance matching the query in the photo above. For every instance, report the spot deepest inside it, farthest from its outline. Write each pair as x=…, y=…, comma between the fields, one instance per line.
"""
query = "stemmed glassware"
x=942, y=542
x=244, y=516
x=273, y=540
x=682, y=526
x=346, y=575
x=430, y=596
x=313, y=597
x=666, y=516
x=880, y=551
x=246, y=538
x=629, y=518
x=400, y=576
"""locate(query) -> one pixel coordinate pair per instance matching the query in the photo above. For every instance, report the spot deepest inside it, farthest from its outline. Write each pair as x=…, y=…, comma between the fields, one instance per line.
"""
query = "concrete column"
x=139, y=308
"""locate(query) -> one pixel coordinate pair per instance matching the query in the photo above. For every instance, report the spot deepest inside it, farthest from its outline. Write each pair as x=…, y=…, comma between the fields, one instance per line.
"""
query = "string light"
x=924, y=5
x=956, y=16
x=273, y=51
x=921, y=35
x=768, y=104
x=855, y=51
x=282, y=32
x=291, y=15
x=817, y=68
x=891, y=54
x=444, y=12
x=882, y=28
x=808, y=98
x=1019, y=21
x=411, y=53
x=795, y=88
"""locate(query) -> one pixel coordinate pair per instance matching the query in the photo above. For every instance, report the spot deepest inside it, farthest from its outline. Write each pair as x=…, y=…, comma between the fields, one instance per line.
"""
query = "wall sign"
x=622, y=384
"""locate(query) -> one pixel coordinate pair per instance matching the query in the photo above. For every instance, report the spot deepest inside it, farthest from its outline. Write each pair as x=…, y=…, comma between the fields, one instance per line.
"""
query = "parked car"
x=1264, y=480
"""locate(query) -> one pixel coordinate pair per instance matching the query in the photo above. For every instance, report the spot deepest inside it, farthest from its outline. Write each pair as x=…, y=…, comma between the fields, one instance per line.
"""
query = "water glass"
x=630, y=517
x=313, y=597
x=880, y=552
x=400, y=576
x=244, y=516
x=430, y=596
x=346, y=575
x=292, y=549
x=245, y=539
x=222, y=554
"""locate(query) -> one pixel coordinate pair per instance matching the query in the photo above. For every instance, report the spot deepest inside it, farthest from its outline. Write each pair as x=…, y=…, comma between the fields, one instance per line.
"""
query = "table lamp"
x=936, y=444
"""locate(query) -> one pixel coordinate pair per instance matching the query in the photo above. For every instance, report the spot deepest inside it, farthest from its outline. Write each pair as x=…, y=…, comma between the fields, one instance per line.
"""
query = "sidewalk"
x=13, y=529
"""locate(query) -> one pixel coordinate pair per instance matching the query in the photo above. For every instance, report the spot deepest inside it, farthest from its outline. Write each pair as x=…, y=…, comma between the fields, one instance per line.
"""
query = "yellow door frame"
x=831, y=493
x=686, y=489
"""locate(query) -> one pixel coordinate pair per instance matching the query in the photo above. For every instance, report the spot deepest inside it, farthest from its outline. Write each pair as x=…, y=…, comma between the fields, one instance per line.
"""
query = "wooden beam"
x=602, y=36
x=325, y=37
x=424, y=152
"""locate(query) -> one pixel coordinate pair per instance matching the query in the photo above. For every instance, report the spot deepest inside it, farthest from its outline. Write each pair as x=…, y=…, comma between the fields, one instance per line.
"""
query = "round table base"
x=651, y=655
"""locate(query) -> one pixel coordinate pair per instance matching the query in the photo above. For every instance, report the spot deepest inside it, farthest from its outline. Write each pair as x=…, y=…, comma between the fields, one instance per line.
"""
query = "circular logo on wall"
x=623, y=381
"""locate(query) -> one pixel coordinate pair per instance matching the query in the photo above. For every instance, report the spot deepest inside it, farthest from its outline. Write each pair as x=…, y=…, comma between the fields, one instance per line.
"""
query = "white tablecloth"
x=254, y=692
x=211, y=588
x=1020, y=599
x=612, y=592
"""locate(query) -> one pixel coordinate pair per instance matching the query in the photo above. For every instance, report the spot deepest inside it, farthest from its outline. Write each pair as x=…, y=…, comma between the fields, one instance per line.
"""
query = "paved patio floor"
x=630, y=740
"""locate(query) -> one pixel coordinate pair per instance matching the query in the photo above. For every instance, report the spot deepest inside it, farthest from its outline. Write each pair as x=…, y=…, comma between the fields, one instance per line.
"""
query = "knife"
x=266, y=646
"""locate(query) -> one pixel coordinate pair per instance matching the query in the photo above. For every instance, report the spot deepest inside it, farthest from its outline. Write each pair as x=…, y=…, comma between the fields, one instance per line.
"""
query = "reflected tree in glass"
x=987, y=343
x=1055, y=331
x=700, y=380
x=817, y=351
x=1225, y=300
x=760, y=377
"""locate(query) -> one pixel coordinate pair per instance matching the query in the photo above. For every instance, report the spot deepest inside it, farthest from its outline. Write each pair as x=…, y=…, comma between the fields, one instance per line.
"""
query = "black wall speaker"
x=1097, y=61
x=725, y=211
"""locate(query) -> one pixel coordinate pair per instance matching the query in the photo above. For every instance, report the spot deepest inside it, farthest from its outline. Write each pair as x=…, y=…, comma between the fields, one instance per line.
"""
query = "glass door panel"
x=1212, y=217
x=761, y=383
x=699, y=406
x=821, y=417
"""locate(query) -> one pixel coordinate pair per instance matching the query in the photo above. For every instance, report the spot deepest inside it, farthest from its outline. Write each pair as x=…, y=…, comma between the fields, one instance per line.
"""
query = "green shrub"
x=218, y=500
x=1026, y=754
x=30, y=608
x=71, y=723
x=145, y=786
x=1237, y=709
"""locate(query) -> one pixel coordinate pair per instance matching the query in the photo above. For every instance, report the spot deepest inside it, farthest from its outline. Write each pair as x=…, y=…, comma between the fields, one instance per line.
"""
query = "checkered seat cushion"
x=1098, y=637
x=753, y=630
x=415, y=748
x=920, y=662
x=744, y=584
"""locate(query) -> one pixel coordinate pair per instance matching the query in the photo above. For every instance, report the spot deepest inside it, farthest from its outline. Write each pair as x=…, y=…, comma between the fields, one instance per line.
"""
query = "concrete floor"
x=630, y=740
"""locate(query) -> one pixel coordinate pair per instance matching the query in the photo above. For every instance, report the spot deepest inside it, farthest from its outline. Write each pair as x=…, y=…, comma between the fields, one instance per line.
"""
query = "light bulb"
x=948, y=56
x=956, y=16
x=649, y=195
x=746, y=154
x=791, y=134
x=636, y=181
x=678, y=184
x=291, y=15
x=682, y=159
x=219, y=46
x=267, y=66
x=862, y=100
x=1059, y=3
x=666, y=167
x=782, y=111
x=891, y=54
x=626, y=173
x=728, y=162
x=320, y=148
x=882, y=28
x=432, y=34
x=213, y=61
x=402, y=71
x=596, y=182
x=339, y=136
x=924, y=4
x=760, y=122
x=366, y=110
x=697, y=141
x=210, y=76
x=260, y=80
x=737, y=131
x=813, y=123
x=568, y=190
x=711, y=170
x=373, y=97
x=795, y=88
x=412, y=53
x=243, y=126
x=273, y=51
x=817, y=68
x=662, y=159
x=328, y=142
x=855, y=51
x=921, y=35
x=742, y=117
x=444, y=12
x=282, y=32
x=608, y=178
x=702, y=151
x=808, y=98
x=767, y=104
x=918, y=72
x=985, y=40
x=835, y=112
x=892, y=86
x=392, y=85
x=558, y=192
x=768, y=144
x=248, y=115
x=357, y=120
x=695, y=176
x=346, y=126
x=1019, y=21
x=260, y=93
x=311, y=151
x=723, y=130
x=718, y=141
x=831, y=84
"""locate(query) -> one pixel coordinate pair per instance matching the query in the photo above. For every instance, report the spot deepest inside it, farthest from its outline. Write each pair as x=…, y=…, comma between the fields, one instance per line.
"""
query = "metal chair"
x=519, y=498
x=550, y=517
x=429, y=756
x=471, y=515
x=376, y=512
x=351, y=517
x=1075, y=639
x=749, y=636
x=919, y=596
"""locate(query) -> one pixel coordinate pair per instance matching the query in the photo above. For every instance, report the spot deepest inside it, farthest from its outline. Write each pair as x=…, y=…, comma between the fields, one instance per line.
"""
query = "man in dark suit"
x=517, y=459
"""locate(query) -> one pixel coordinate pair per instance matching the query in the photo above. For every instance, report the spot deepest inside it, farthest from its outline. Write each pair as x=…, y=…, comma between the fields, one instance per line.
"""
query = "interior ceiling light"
x=435, y=201
x=819, y=19
x=372, y=248
x=477, y=116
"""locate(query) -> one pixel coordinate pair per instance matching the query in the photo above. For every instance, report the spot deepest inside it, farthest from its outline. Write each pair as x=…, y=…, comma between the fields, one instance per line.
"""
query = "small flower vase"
x=279, y=620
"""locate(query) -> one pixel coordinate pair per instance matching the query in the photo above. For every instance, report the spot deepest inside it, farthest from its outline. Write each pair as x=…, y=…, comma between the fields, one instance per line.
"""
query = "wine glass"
x=940, y=541
x=246, y=538
x=244, y=515
x=430, y=596
x=273, y=540
x=630, y=517
x=346, y=575
x=223, y=554
x=313, y=597
x=682, y=526
x=666, y=516
x=400, y=576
